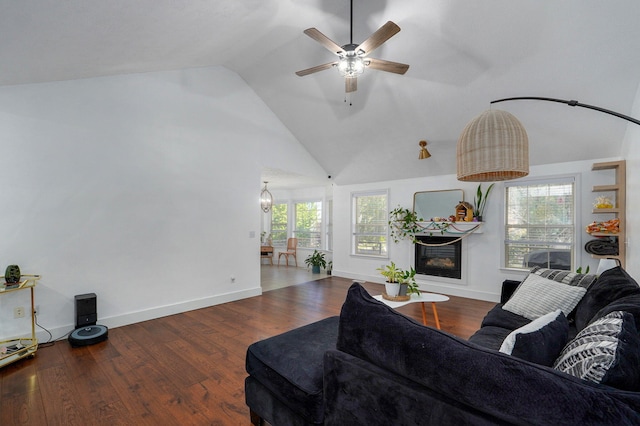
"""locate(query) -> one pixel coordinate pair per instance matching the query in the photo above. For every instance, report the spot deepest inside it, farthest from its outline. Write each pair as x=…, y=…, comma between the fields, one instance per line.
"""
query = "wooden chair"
x=292, y=244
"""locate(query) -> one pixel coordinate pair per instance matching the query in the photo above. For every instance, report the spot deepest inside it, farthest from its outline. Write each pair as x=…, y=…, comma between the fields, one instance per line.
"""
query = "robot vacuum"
x=88, y=335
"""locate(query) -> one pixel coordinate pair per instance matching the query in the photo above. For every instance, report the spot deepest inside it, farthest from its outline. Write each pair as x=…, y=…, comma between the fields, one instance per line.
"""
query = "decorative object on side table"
x=316, y=260
x=12, y=275
x=399, y=284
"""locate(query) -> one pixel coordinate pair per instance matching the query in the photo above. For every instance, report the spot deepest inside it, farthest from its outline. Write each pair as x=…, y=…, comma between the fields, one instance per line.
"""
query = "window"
x=308, y=221
x=369, y=224
x=279, y=225
x=540, y=224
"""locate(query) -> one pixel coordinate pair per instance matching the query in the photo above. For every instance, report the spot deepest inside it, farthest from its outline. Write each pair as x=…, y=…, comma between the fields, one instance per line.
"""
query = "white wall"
x=631, y=152
x=143, y=189
x=484, y=275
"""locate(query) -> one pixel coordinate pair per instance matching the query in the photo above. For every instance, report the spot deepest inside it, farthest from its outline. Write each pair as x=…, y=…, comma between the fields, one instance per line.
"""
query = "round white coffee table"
x=422, y=298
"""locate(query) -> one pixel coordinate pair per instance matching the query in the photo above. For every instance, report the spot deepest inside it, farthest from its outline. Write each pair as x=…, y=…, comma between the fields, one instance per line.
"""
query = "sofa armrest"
x=508, y=288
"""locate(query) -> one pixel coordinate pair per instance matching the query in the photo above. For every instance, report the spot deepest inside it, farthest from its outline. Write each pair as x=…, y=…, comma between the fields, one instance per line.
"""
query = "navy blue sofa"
x=375, y=366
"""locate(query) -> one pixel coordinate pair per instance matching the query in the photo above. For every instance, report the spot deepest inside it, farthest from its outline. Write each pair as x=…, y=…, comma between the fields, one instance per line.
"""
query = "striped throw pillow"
x=537, y=296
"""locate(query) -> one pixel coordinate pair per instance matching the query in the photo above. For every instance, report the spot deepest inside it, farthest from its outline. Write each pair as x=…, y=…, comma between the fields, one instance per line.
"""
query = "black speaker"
x=86, y=310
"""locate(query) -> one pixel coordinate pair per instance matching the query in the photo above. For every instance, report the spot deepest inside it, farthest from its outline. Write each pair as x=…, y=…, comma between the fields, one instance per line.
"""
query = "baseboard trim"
x=153, y=313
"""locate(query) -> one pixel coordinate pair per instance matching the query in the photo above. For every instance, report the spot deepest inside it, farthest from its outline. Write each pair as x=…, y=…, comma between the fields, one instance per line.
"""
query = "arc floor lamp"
x=494, y=146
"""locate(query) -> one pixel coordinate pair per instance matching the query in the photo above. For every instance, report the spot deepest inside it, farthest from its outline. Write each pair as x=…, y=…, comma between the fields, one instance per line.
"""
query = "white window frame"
x=384, y=251
x=560, y=179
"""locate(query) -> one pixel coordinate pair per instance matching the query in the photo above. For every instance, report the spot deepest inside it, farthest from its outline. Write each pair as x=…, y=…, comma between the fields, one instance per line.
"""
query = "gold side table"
x=15, y=349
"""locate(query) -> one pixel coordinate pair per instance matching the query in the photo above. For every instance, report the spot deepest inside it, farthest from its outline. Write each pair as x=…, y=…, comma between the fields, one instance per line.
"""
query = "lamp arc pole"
x=570, y=103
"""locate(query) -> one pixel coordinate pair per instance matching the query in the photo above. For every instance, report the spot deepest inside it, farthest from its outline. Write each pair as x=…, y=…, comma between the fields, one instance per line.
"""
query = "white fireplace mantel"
x=450, y=228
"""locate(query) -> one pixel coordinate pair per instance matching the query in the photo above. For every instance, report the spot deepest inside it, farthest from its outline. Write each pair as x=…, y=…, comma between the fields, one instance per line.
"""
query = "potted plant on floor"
x=316, y=261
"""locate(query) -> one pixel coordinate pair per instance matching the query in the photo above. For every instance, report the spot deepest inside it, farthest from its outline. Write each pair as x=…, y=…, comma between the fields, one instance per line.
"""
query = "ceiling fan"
x=352, y=58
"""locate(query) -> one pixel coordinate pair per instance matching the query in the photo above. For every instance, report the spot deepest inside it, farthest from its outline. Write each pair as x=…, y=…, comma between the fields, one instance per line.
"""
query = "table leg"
x=435, y=314
x=424, y=314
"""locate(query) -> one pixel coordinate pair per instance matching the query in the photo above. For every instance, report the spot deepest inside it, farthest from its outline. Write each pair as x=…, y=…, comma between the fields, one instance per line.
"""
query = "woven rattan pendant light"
x=493, y=147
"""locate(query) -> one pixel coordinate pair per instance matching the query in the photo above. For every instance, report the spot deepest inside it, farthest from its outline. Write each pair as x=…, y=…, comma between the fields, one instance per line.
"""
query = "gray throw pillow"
x=537, y=296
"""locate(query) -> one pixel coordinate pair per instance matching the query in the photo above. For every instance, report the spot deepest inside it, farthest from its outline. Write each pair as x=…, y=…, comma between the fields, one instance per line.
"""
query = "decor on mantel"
x=423, y=151
x=404, y=224
x=494, y=145
x=266, y=199
x=480, y=201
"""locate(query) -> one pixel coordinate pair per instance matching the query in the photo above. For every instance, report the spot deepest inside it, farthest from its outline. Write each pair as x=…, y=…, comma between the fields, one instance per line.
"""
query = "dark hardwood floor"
x=185, y=369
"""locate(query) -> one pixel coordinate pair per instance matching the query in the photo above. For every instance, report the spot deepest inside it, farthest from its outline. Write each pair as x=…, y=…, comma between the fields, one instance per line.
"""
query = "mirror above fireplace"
x=430, y=204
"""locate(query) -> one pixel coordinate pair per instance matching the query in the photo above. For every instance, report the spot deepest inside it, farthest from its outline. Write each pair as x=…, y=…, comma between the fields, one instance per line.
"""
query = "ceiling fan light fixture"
x=493, y=147
x=351, y=66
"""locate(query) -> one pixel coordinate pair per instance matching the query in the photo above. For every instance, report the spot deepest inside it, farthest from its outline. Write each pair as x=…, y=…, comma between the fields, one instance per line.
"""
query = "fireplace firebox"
x=439, y=259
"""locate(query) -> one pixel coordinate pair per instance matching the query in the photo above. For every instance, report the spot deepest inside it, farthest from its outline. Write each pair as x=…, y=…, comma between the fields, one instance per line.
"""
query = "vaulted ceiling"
x=462, y=54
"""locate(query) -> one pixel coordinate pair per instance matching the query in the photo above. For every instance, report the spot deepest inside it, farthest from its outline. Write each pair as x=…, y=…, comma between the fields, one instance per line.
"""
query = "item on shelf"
x=609, y=227
x=602, y=247
x=12, y=274
x=602, y=203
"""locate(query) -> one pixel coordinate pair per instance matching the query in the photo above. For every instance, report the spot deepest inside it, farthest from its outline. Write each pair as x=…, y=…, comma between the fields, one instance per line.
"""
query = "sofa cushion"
x=510, y=389
x=612, y=284
x=540, y=341
x=490, y=337
x=606, y=351
x=538, y=296
x=498, y=317
x=290, y=366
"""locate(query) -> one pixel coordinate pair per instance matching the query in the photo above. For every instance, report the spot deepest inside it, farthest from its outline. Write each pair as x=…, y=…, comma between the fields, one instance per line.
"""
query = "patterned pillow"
x=537, y=296
x=565, y=277
x=540, y=341
x=606, y=351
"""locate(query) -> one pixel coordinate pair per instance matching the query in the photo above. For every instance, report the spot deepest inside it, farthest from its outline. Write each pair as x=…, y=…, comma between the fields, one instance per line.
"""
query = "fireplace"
x=439, y=260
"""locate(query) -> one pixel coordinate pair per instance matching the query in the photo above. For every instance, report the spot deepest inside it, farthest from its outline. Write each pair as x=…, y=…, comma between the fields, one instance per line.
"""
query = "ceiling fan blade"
x=317, y=68
x=329, y=44
x=388, y=66
x=383, y=34
x=350, y=84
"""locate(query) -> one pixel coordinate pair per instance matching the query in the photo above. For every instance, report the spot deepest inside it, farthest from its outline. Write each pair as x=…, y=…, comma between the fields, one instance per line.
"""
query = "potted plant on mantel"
x=480, y=202
x=316, y=261
x=399, y=282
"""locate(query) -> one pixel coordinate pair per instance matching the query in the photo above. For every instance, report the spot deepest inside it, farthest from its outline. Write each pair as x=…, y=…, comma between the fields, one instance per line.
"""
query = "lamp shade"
x=493, y=147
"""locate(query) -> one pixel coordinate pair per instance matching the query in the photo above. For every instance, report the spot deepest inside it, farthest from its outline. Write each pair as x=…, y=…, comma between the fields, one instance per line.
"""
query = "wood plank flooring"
x=185, y=369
